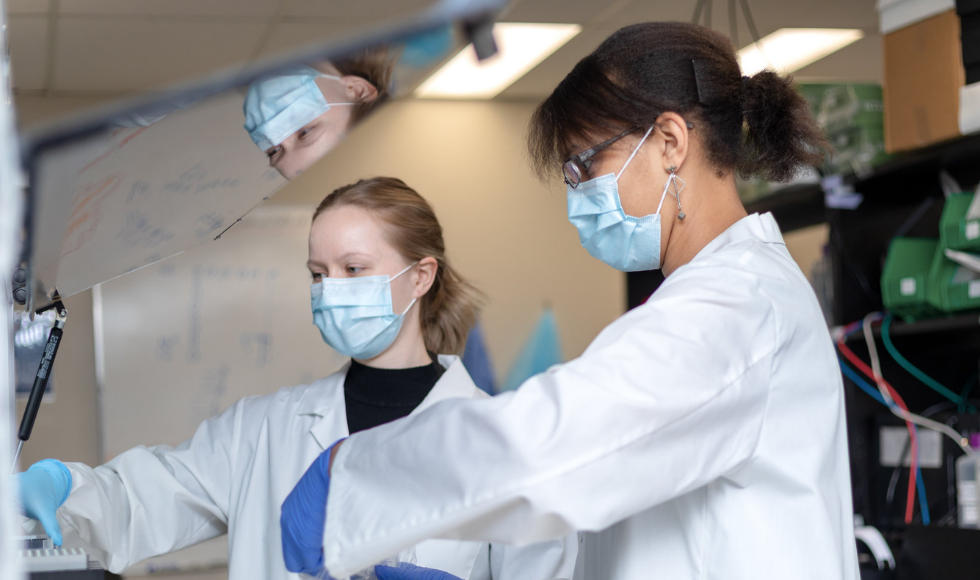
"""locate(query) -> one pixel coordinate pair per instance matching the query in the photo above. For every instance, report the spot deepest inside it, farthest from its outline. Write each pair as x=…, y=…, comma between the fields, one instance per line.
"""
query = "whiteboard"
x=152, y=192
x=183, y=339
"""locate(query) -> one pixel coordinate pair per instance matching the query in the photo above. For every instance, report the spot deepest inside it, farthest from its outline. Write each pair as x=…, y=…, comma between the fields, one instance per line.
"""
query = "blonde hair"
x=451, y=306
x=375, y=65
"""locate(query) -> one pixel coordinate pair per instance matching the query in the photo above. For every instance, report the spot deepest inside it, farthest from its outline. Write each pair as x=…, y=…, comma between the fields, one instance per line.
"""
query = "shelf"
x=909, y=175
x=920, y=168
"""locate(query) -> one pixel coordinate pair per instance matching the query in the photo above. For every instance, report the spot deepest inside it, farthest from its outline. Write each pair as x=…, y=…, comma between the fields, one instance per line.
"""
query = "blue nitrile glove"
x=406, y=571
x=304, y=514
x=43, y=488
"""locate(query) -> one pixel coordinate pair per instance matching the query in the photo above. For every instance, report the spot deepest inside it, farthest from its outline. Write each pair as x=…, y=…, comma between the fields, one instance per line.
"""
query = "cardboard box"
x=923, y=76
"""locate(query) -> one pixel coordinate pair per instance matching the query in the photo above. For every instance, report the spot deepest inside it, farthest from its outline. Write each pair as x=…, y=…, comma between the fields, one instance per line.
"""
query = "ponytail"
x=781, y=136
x=758, y=126
x=449, y=310
x=452, y=305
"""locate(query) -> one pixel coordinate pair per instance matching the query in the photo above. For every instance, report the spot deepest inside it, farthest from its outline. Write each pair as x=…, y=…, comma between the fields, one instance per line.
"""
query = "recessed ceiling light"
x=521, y=48
x=790, y=49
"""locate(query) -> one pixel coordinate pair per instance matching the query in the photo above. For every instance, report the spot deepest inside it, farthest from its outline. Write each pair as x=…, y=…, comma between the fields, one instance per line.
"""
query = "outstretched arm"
x=668, y=398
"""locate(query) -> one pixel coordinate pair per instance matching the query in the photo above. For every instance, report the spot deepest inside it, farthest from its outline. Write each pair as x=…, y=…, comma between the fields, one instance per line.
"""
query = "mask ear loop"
x=338, y=79
x=414, y=300
x=635, y=151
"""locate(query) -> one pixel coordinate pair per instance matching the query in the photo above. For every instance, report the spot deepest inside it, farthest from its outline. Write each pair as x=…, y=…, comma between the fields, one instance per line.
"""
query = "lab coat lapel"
x=327, y=404
x=455, y=383
x=327, y=401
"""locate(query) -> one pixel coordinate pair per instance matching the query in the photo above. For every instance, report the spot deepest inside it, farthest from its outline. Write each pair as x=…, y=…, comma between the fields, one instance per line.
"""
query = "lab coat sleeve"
x=668, y=398
x=149, y=501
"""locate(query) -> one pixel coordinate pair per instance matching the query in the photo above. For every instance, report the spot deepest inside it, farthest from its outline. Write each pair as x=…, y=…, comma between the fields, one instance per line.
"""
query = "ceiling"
x=108, y=48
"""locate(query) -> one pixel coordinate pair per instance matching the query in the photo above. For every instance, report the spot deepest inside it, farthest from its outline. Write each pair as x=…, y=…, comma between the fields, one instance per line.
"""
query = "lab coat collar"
x=455, y=383
x=753, y=227
x=325, y=398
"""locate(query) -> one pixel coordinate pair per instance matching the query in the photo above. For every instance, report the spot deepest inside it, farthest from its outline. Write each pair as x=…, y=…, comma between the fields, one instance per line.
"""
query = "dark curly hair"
x=756, y=126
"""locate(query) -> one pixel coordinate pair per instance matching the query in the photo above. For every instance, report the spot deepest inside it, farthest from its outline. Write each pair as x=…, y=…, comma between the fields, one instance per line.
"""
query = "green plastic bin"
x=952, y=287
x=955, y=231
x=905, y=278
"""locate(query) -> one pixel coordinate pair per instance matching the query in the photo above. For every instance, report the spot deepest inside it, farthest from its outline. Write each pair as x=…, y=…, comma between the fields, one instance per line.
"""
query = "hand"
x=304, y=514
x=43, y=488
x=406, y=571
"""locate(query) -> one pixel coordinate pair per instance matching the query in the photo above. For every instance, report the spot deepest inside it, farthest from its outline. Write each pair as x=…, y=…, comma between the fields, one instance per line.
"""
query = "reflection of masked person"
x=298, y=117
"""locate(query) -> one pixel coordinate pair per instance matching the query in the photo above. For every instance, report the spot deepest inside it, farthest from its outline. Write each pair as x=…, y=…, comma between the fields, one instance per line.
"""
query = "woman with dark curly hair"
x=702, y=434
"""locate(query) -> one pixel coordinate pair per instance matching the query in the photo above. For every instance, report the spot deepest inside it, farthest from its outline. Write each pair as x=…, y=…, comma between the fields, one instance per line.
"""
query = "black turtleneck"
x=376, y=396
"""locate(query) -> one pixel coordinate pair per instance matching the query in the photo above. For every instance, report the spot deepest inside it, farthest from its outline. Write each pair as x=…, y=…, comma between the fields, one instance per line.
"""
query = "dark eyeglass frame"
x=575, y=168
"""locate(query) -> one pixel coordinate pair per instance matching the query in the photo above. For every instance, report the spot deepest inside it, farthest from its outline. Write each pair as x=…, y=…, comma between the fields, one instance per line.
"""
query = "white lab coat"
x=701, y=434
x=233, y=476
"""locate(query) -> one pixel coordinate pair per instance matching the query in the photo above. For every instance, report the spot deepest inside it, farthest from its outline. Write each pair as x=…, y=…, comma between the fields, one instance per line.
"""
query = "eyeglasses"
x=576, y=168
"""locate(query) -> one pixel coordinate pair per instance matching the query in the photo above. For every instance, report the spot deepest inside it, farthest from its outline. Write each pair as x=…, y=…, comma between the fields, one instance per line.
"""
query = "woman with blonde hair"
x=384, y=294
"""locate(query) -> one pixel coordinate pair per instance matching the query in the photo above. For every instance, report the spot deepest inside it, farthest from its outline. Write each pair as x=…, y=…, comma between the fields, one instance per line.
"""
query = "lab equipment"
x=44, y=487
x=952, y=286
x=59, y=564
x=967, y=490
x=52, y=560
x=355, y=315
x=42, y=376
x=905, y=277
x=959, y=226
x=627, y=243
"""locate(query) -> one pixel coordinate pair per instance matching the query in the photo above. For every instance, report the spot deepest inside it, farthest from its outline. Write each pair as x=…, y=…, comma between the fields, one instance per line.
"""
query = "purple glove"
x=406, y=571
x=304, y=514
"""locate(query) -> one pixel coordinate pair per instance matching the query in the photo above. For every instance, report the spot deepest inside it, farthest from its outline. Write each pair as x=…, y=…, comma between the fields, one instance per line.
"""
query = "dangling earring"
x=672, y=180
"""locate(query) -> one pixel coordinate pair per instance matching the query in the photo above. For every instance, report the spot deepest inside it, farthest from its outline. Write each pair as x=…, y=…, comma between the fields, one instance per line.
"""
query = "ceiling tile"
x=106, y=55
x=287, y=36
x=363, y=10
x=769, y=15
x=657, y=11
x=861, y=61
x=237, y=8
x=541, y=80
x=28, y=51
x=558, y=11
x=27, y=6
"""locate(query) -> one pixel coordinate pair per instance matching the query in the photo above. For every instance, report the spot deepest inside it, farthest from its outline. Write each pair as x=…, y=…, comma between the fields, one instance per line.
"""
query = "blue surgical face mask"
x=276, y=107
x=627, y=243
x=355, y=315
